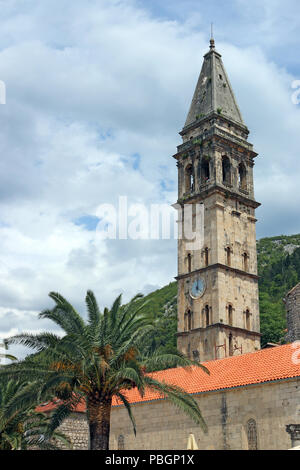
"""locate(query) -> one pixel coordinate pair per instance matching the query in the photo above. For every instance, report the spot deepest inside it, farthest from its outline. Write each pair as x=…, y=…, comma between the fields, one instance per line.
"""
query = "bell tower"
x=218, y=307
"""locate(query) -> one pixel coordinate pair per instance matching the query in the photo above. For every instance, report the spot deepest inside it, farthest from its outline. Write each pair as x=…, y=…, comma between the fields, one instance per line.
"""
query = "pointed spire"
x=213, y=93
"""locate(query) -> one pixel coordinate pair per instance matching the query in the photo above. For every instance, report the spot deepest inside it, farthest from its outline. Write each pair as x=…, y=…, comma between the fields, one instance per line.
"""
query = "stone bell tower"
x=218, y=308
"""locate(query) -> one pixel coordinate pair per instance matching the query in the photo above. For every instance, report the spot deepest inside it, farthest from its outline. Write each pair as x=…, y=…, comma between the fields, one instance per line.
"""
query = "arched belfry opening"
x=226, y=170
x=205, y=171
x=189, y=179
x=242, y=176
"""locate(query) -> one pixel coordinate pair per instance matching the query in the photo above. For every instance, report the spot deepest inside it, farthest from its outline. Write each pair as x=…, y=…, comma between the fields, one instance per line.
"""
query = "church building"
x=251, y=399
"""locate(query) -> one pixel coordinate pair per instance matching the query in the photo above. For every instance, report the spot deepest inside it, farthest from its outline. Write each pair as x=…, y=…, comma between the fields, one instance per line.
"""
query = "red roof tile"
x=254, y=368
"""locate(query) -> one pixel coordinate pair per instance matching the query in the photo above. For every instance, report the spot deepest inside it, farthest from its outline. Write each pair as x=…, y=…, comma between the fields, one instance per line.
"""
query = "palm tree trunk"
x=99, y=411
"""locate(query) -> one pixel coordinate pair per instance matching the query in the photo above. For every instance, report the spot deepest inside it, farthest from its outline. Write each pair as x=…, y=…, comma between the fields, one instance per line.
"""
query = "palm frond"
x=128, y=408
x=93, y=309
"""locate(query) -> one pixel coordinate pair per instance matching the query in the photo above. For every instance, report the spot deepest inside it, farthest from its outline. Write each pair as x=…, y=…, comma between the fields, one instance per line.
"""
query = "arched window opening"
x=242, y=176
x=196, y=355
x=189, y=179
x=228, y=256
x=186, y=326
x=190, y=321
x=248, y=320
x=207, y=322
x=189, y=257
x=245, y=261
x=206, y=346
x=205, y=171
x=230, y=315
x=206, y=257
x=252, y=434
x=121, y=442
x=230, y=345
x=226, y=170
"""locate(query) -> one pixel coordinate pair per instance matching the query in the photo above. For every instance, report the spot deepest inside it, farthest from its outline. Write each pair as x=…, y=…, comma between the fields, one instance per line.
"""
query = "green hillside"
x=279, y=271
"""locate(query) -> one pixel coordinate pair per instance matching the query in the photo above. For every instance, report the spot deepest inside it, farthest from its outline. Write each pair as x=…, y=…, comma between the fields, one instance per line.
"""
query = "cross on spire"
x=212, y=41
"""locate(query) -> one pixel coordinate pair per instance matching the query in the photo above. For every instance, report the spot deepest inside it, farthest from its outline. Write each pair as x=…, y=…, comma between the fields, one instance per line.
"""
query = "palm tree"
x=96, y=361
x=24, y=428
x=6, y=356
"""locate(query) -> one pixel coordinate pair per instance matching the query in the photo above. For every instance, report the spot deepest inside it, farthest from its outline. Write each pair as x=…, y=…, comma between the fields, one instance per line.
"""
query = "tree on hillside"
x=96, y=361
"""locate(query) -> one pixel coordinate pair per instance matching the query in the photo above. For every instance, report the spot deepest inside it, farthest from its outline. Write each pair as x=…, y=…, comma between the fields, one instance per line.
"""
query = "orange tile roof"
x=266, y=365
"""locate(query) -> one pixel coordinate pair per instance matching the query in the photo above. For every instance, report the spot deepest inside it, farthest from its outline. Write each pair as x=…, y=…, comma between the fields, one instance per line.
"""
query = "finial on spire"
x=212, y=41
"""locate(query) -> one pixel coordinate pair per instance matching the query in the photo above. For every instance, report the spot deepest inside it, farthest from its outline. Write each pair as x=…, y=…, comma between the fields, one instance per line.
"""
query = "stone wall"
x=77, y=429
x=292, y=303
x=230, y=415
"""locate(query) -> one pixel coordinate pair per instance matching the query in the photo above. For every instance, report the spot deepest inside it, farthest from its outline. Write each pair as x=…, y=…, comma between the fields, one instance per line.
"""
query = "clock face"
x=197, y=289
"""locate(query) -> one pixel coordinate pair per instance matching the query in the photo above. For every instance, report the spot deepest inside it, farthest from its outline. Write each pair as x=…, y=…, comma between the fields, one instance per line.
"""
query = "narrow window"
x=248, y=320
x=242, y=176
x=190, y=320
x=252, y=434
x=245, y=261
x=186, y=325
x=121, y=442
x=206, y=256
x=230, y=345
x=230, y=320
x=206, y=315
x=226, y=170
x=189, y=263
x=228, y=256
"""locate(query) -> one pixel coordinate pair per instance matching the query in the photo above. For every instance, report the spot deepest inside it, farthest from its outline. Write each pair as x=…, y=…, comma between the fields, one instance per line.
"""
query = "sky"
x=96, y=93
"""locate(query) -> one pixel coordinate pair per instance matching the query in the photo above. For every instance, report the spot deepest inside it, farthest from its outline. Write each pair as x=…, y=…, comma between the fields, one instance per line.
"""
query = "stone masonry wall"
x=77, y=429
x=292, y=304
x=161, y=426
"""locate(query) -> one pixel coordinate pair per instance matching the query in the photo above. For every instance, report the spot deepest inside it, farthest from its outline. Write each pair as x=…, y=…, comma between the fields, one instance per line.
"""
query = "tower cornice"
x=221, y=326
x=213, y=115
x=225, y=191
x=218, y=266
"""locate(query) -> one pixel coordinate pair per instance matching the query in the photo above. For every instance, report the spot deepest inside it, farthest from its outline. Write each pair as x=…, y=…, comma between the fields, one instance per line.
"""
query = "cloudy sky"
x=97, y=91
